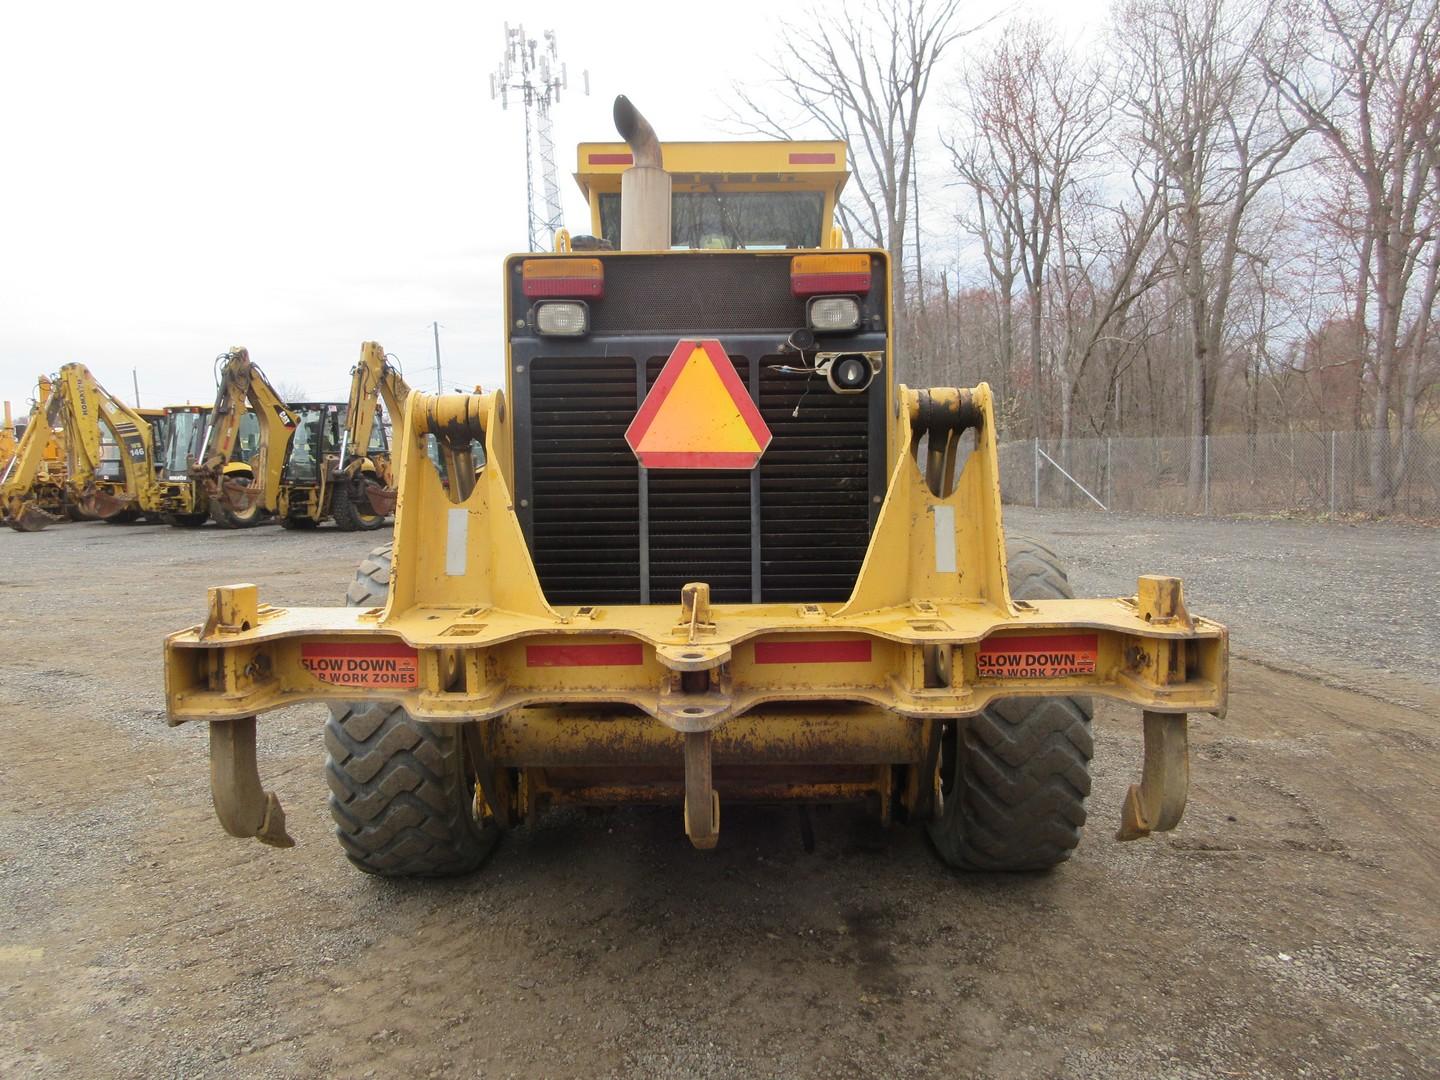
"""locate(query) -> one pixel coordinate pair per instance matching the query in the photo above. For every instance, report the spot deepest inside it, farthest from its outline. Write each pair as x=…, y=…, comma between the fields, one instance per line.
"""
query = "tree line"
x=1213, y=216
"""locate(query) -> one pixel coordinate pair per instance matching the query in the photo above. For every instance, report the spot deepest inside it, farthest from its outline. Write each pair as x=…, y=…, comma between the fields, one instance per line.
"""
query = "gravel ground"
x=1287, y=929
x=1346, y=602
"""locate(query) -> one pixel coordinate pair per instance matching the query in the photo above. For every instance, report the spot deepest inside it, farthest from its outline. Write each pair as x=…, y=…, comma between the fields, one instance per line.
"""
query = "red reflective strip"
x=359, y=650
x=815, y=284
x=569, y=287
x=812, y=159
x=620, y=655
x=813, y=652
x=1057, y=643
x=612, y=159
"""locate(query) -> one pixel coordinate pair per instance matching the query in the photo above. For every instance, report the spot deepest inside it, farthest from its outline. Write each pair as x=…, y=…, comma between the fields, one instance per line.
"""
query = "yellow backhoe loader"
x=716, y=553
x=32, y=484
x=109, y=465
x=242, y=483
x=339, y=461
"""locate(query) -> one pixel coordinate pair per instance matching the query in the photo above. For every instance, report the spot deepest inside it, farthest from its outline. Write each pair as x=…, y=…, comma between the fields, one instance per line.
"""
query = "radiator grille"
x=814, y=487
x=585, y=487
x=585, y=492
x=699, y=523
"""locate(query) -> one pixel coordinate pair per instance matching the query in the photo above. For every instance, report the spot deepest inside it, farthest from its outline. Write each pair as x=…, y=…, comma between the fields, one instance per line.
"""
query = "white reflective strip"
x=944, y=539
x=457, y=541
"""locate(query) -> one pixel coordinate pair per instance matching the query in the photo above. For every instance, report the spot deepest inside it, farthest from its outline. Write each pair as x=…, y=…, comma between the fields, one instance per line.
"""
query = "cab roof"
x=818, y=165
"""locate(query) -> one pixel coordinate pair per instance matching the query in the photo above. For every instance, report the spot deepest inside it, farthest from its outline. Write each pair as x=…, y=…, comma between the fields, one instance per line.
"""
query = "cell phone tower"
x=533, y=71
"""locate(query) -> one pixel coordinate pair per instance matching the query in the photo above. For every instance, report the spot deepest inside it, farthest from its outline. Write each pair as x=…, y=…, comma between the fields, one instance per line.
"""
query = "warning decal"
x=382, y=666
x=1043, y=657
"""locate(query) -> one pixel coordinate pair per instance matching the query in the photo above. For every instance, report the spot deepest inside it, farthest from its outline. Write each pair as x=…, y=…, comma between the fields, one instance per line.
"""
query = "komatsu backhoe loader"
x=716, y=553
x=109, y=466
x=32, y=483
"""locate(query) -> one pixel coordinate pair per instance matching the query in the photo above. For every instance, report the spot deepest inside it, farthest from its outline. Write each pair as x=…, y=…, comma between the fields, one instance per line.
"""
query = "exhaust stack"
x=644, y=187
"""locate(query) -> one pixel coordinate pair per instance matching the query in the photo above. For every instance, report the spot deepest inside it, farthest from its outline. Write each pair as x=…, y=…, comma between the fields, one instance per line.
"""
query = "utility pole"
x=439, y=386
x=526, y=67
x=135, y=378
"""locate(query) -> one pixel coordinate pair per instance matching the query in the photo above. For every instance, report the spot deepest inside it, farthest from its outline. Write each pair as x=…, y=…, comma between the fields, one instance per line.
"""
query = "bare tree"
x=861, y=73
x=1372, y=90
x=1214, y=124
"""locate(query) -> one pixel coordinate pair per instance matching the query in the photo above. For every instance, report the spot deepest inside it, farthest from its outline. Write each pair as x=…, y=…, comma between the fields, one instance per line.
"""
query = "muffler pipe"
x=644, y=187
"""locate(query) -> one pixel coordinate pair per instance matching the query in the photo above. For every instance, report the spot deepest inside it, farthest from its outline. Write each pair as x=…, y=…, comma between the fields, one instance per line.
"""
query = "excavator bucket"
x=382, y=499
x=30, y=518
x=102, y=504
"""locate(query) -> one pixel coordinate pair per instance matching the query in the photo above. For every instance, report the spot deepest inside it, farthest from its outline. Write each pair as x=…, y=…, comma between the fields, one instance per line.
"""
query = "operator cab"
x=319, y=435
x=751, y=196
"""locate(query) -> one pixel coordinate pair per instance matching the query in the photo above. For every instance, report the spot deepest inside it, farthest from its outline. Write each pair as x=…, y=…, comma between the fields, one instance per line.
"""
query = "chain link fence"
x=1309, y=472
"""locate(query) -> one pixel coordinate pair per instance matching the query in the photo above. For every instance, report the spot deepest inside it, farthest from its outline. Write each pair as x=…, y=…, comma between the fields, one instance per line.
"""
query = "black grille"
x=699, y=523
x=586, y=506
x=659, y=294
x=585, y=487
x=814, y=486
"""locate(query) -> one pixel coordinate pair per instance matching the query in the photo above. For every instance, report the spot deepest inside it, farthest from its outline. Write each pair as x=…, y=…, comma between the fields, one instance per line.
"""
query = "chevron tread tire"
x=401, y=795
x=1016, y=776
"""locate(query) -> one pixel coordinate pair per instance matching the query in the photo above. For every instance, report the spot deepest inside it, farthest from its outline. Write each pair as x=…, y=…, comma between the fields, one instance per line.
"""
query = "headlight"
x=562, y=318
x=830, y=314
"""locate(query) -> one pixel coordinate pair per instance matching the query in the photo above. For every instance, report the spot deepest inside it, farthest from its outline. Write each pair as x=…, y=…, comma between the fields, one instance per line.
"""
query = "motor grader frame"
x=847, y=624
x=468, y=638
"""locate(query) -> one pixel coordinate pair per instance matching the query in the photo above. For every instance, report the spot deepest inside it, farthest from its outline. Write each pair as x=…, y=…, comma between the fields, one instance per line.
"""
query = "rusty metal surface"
x=242, y=805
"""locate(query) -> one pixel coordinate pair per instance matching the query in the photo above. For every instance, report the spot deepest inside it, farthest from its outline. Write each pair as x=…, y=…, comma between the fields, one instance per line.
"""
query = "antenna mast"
x=532, y=69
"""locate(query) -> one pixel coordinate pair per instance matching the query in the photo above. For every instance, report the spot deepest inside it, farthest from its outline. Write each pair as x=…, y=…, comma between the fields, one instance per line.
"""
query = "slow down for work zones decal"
x=1047, y=657
x=386, y=665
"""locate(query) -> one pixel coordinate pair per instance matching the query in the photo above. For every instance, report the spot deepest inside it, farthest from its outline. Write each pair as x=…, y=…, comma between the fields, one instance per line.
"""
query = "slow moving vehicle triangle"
x=698, y=415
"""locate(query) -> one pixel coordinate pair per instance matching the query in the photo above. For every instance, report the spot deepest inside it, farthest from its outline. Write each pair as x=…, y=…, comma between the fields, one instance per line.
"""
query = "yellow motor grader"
x=714, y=552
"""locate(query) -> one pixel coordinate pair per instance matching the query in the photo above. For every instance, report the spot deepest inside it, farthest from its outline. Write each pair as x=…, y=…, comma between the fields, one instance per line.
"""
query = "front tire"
x=1015, y=777
x=402, y=793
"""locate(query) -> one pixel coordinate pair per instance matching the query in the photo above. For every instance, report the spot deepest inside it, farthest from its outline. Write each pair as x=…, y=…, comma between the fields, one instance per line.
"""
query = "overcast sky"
x=299, y=177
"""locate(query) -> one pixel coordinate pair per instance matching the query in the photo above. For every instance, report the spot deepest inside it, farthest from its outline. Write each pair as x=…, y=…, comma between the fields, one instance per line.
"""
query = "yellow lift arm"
x=242, y=385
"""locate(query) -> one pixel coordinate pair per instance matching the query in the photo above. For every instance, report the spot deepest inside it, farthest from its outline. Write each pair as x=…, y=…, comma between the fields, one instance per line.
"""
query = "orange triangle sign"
x=698, y=415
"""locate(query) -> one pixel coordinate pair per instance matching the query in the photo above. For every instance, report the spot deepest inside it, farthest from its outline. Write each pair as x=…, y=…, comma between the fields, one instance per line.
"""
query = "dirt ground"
x=1290, y=927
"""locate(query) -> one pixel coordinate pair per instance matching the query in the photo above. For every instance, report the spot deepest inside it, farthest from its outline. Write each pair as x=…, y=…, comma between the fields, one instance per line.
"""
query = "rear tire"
x=1015, y=777
x=402, y=794
x=351, y=508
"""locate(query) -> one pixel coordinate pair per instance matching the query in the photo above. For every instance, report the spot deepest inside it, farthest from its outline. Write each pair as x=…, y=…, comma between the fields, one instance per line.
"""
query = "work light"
x=562, y=318
x=834, y=314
